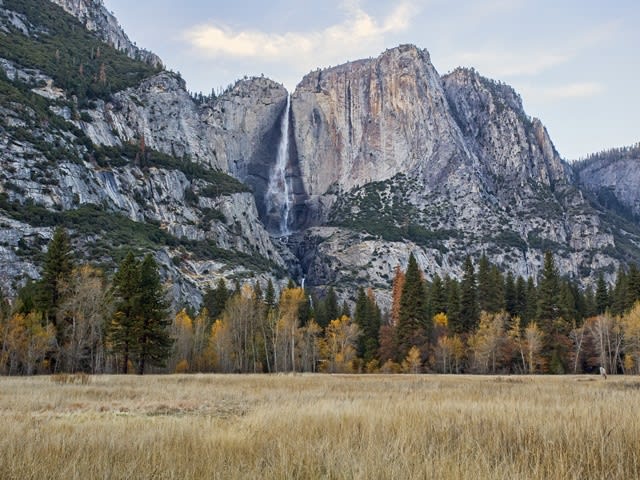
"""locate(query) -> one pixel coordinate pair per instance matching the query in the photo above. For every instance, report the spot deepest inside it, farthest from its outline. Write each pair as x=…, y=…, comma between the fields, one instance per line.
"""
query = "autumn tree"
x=339, y=345
x=285, y=329
x=412, y=362
x=182, y=333
x=396, y=294
x=631, y=328
x=607, y=334
x=487, y=342
x=82, y=316
x=26, y=340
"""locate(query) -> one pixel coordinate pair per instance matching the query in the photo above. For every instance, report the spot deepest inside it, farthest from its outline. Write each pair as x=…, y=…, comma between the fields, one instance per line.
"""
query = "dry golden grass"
x=320, y=426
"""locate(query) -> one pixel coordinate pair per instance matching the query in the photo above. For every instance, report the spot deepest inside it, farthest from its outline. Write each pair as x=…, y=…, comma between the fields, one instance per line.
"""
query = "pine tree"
x=531, y=309
x=603, y=301
x=510, y=299
x=633, y=286
x=484, y=289
x=215, y=300
x=521, y=299
x=345, y=311
x=58, y=266
x=590, y=308
x=331, y=304
x=620, y=293
x=123, y=329
x=437, y=296
x=413, y=323
x=270, y=295
x=468, y=298
x=154, y=341
x=548, y=305
x=368, y=317
x=453, y=305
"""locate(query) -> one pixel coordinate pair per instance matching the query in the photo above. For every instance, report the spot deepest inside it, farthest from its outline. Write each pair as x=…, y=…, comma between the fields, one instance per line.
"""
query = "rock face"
x=510, y=146
x=441, y=167
x=613, y=178
x=96, y=18
x=366, y=121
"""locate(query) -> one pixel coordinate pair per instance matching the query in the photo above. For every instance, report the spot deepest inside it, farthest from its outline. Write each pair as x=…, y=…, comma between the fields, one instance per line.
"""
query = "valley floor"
x=320, y=426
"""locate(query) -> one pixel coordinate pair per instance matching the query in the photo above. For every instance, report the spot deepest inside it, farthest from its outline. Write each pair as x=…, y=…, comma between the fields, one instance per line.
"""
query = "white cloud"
x=358, y=30
x=573, y=90
x=509, y=64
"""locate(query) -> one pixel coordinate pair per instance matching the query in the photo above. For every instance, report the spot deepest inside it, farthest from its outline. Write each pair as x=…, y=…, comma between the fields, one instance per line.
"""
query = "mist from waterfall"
x=278, y=197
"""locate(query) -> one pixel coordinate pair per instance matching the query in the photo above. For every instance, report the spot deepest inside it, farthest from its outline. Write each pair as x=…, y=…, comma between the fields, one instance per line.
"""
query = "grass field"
x=320, y=426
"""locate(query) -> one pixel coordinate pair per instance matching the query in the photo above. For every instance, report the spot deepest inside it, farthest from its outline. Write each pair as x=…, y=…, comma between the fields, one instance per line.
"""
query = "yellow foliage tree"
x=413, y=362
x=339, y=345
x=631, y=327
x=182, y=332
x=449, y=354
x=27, y=342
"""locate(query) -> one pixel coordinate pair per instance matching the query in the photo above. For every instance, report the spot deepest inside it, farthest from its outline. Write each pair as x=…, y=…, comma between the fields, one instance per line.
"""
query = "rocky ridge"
x=96, y=18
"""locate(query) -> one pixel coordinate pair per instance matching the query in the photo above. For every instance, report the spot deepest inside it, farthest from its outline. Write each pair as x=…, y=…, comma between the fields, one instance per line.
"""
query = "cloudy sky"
x=576, y=63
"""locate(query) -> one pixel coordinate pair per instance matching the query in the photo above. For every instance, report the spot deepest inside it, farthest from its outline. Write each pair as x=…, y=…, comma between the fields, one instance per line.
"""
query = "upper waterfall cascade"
x=279, y=196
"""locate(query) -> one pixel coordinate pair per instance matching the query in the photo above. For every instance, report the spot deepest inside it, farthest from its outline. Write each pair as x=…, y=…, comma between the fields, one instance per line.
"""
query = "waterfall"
x=278, y=197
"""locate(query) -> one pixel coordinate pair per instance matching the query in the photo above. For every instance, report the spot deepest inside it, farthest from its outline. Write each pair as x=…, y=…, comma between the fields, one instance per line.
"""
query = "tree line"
x=75, y=319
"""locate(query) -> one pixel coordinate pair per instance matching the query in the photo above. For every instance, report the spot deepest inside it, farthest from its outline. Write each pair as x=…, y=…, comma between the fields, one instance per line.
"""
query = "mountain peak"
x=96, y=18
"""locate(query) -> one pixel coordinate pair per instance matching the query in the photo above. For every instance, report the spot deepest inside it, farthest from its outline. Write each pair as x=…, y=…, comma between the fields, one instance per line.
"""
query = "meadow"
x=319, y=426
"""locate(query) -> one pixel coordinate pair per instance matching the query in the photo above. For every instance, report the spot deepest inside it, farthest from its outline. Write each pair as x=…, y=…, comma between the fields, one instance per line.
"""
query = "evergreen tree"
x=531, y=309
x=484, y=289
x=123, y=329
x=58, y=265
x=413, y=324
x=568, y=302
x=215, y=300
x=603, y=301
x=367, y=316
x=331, y=303
x=510, y=298
x=633, y=286
x=496, y=290
x=437, y=296
x=548, y=302
x=270, y=295
x=468, y=298
x=590, y=308
x=154, y=340
x=521, y=299
x=620, y=293
x=453, y=305
x=345, y=311
x=331, y=308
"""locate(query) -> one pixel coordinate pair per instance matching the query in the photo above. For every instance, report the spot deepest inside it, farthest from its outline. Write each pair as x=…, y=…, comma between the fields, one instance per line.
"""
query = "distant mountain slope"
x=613, y=178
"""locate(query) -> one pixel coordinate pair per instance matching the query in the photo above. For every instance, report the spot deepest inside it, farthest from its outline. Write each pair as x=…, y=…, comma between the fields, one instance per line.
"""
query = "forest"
x=76, y=318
